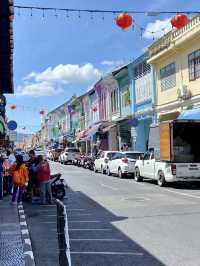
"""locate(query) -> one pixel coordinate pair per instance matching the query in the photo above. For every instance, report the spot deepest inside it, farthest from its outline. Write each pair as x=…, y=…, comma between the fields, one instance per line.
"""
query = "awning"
x=106, y=129
x=169, y=116
x=193, y=114
x=93, y=130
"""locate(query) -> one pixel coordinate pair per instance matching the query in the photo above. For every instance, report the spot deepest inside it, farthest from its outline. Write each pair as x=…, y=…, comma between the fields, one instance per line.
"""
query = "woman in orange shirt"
x=19, y=178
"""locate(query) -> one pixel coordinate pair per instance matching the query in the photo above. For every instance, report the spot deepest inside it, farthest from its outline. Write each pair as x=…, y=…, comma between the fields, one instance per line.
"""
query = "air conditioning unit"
x=183, y=93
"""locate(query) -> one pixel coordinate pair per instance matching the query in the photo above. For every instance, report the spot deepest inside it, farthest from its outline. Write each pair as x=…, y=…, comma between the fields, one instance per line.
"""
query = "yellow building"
x=176, y=60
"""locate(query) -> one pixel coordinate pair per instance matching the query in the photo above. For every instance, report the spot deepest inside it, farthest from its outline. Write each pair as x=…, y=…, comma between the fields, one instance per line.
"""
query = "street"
x=121, y=222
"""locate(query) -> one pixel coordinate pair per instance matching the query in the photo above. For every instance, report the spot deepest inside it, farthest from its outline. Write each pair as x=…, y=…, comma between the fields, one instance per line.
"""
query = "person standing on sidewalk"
x=11, y=157
x=43, y=176
x=32, y=167
x=7, y=176
x=19, y=177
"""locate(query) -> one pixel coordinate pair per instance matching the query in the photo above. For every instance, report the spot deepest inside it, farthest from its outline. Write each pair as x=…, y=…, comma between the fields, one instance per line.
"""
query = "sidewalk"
x=11, y=247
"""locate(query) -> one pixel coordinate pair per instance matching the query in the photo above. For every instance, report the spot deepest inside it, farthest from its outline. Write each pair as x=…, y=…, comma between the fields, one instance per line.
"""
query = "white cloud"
x=38, y=89
x=157, y=29
x=69, y=74
x=51, y=81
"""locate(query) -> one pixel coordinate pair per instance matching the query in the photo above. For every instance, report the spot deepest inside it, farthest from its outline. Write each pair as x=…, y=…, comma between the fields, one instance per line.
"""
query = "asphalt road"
x=121, y=222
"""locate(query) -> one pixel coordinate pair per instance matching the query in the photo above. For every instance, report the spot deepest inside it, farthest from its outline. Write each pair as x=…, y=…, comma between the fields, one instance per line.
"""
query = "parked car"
x=100, y=164
x=69, y=155
x=123, y=163
x=56, y=153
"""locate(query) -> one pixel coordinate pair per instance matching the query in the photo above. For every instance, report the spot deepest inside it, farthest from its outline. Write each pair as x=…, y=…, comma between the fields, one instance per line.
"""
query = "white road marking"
x=92, y=239
x=108, y=253
x=84, y=221
x=80, y=229
x=182, y=194
x=112, y=188
x=81, y=214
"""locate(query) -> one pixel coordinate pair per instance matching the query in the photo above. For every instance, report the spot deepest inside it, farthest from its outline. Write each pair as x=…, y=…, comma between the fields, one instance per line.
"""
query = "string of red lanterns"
x=124, y=20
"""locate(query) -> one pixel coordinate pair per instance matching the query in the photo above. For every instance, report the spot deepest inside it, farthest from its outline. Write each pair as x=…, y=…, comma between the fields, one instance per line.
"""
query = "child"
x=19, y=178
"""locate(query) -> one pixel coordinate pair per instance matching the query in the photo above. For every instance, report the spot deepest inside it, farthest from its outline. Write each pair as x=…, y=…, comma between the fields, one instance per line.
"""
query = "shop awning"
x=93, y=130
x=106, y=129
x=193, y=114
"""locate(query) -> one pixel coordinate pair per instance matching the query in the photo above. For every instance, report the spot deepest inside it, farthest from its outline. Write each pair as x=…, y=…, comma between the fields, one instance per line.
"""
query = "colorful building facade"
x=176, y=60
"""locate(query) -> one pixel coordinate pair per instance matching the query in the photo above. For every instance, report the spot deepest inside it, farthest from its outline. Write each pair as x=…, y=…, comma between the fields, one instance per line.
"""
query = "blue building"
x=143, y=84
x=123, y=78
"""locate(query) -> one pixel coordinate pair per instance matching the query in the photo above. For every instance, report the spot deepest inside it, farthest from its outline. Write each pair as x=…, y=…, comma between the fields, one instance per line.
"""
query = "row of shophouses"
x=160, y=85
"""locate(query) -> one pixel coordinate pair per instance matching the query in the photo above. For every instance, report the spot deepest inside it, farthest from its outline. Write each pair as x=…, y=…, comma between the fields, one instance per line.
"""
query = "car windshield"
x=134, y=156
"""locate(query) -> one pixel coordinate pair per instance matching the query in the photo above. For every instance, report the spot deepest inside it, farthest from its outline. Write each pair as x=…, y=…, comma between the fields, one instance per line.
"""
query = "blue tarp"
x=193, y=114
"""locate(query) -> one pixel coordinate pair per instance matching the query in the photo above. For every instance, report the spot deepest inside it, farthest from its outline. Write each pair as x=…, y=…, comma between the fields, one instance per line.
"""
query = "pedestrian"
x=1, y=178
x=32, y=168
x=11, y=157
x=19, y=177
x=7, y=175
x=43, y=176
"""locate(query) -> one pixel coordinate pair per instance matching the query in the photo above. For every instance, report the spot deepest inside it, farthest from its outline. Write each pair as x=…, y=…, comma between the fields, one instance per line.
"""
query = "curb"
x=27, y=247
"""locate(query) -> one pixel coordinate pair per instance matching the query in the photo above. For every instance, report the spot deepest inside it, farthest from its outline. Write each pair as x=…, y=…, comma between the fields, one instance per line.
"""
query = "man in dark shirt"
x=33, y=183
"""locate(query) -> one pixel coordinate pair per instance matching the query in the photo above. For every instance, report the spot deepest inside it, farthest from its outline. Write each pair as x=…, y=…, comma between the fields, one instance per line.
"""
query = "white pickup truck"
x=174, y=155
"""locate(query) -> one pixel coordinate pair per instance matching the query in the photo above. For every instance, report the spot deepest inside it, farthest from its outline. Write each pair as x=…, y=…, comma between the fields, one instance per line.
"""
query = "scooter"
x=57, y=186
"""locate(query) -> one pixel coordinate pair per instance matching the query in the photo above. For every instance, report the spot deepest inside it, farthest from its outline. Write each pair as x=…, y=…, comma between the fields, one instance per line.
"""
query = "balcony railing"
x=172, y=36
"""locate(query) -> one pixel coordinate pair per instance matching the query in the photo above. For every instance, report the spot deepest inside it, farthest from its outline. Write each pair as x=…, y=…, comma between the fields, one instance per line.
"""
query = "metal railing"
x=63, y=235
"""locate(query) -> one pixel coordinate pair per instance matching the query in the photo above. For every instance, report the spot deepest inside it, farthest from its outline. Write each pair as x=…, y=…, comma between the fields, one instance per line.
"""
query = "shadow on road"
x=95, y=238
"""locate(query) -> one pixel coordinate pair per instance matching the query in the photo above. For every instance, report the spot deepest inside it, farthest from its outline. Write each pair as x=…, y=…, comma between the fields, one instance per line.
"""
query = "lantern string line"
x=115, y=12
x=91, y=12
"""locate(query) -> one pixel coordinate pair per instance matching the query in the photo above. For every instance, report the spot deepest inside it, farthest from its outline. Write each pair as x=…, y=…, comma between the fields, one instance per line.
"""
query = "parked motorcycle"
x=89, y=162
x=57, y=186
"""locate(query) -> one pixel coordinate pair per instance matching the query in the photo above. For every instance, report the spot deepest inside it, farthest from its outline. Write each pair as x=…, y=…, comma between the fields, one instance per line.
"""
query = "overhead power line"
x=147, y=12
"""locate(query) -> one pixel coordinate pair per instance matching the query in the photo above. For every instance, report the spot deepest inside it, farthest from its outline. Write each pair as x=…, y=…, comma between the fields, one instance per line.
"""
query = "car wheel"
x=108, y=171
x=161, y=179
x=120, y=174
x=138, y=177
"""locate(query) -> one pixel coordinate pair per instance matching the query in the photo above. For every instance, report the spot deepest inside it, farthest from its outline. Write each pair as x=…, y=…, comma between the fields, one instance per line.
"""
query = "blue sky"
x=55, y=58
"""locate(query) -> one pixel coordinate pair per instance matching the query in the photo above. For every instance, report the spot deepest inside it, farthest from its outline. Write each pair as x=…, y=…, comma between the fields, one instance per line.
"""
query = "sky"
x=57, y=57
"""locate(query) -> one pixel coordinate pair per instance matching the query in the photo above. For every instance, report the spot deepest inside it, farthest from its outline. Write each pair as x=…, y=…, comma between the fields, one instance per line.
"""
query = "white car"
x=123, y=163
x=100, y=164
x=69, y=155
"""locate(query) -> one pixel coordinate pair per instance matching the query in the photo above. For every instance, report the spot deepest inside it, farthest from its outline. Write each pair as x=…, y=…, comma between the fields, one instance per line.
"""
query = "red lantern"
x=41, y=112
x=13, y=106
x=124, y=21
x=73, y=113
x=179, y=21
x=94, y=109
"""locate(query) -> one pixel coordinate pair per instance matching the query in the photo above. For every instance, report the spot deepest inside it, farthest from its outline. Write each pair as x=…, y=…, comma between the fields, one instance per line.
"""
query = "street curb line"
x=27, y=247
